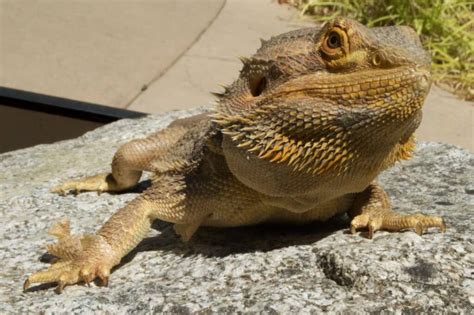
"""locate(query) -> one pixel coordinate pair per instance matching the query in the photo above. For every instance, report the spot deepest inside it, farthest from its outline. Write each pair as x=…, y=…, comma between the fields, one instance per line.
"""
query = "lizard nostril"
x=376, y=60
x=424, y=82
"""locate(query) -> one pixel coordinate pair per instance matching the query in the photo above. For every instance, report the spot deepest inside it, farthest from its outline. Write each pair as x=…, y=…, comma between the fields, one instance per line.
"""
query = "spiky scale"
x=218, y=94
x=245, y=60
x=277, y=157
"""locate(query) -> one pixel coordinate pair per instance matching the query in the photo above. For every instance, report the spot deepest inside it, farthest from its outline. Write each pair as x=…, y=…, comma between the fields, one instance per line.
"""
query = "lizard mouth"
x=367, y=85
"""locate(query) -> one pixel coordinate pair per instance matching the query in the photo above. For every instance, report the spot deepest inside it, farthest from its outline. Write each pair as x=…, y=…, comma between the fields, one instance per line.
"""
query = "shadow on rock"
x=221, y=242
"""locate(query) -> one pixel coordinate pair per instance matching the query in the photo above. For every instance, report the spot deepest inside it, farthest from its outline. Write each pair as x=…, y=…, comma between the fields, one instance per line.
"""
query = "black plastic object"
x=28, y=118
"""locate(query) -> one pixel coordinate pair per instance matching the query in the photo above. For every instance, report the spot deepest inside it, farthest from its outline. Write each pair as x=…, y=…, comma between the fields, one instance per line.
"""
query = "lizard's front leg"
x=130, y=160
x=372, y=210
x=84, y=258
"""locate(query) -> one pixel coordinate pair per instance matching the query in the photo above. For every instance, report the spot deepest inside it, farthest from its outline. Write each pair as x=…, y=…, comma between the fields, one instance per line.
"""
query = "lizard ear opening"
x=257, y=85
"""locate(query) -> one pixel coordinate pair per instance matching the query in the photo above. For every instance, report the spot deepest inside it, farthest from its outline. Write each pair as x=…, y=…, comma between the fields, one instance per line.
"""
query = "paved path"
x=213, y=59
x=156, y=56
x=97, y=51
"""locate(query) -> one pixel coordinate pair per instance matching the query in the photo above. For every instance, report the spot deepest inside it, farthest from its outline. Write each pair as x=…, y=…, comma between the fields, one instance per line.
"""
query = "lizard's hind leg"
x=130, y=160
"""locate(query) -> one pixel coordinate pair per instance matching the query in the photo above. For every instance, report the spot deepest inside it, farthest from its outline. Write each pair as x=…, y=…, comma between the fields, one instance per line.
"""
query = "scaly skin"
x=301, y=135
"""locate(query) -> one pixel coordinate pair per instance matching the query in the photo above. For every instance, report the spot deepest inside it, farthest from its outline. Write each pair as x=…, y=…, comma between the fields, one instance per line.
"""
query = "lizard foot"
x=392, y=221
x=80, y=259
x=100, y=183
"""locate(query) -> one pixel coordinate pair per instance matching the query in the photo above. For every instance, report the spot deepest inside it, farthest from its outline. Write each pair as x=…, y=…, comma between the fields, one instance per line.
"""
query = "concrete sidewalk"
x=96, y=51
x=214, y=58
x=156, y=56
x=109, y=52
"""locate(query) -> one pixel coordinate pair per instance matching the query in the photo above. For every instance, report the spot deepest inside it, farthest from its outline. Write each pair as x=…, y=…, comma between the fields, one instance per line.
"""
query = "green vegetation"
x=446, y=28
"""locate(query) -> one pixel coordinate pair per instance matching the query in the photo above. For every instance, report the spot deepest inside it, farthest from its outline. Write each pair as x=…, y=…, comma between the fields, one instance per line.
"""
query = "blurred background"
x=70, y=66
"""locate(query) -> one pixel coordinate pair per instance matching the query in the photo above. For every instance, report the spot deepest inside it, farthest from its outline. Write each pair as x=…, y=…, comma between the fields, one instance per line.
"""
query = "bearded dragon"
x=315, y=115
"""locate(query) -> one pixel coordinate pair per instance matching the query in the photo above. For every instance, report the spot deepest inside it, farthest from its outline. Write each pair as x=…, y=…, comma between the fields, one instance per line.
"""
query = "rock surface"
x=270, y=269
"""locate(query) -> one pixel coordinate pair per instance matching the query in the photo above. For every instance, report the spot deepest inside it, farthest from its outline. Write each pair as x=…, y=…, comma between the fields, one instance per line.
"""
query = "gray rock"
x=269, y=269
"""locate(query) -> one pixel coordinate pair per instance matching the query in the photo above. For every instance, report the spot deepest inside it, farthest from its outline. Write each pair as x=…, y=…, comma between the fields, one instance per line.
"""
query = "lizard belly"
x=220, y=198
x=276, y=211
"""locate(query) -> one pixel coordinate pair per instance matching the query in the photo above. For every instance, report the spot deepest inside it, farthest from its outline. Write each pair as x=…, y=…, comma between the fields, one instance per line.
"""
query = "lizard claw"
x=26, y=285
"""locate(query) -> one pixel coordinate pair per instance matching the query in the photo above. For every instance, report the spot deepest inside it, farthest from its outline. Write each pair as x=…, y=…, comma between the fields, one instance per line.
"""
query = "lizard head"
x=343, y=87
x=346, y=46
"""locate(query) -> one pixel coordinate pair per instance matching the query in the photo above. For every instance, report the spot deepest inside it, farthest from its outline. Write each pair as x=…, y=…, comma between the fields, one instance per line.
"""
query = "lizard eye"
x=335, y=43
x=334, y=40
x=257, y=85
